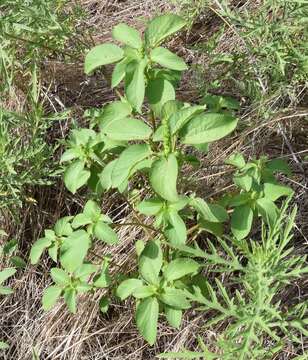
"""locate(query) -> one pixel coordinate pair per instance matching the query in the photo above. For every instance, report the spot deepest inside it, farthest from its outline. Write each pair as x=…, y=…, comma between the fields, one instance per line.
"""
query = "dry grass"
x=89, y=335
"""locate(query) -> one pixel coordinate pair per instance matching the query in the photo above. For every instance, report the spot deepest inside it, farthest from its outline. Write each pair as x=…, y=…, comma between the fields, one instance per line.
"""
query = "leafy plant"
x=5, y=274
x=254, y=312
x=142, y=141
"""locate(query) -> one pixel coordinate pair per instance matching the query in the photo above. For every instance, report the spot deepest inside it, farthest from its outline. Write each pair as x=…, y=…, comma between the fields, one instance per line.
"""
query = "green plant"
x=129, y=146
x=254, y=311
x=271, y=59
x=5, y=274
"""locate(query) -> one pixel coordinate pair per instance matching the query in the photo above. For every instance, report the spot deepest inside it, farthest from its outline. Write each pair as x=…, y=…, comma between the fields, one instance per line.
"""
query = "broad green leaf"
x=126, y=129
x=171, y=107
x=127, y=160
x=114, y=111
x=180, y=267
x=274, y=191
x=243, y=181
x=207, y=128
x=150, y=262
x=181, y=117
x=50, y=297
x=161, y=27
x=175, y=298
x=237, y=160
x=75, y=176
x=62, y=227
x=135, y=83
x=102, y=280
x=150, y=207
x=84, y=271
x=6, y=273
x=105, y=175
x=147, y=317
x=104, y=232
x=241, y=221
x=177, y=234
x=166, y=58
x=118, y=73
x=210, y=212
x=214, y=228
x=70, y=300
x=163, y=177
x=102, y=55
x=53, y=251
x=37, y=249
x=127, y=35
x=60, y=277
x=174, y=316
x=143, y=292
x=158, y=92
x=268, y=210
x=127, y=287
x=92, y=210
x=279, y=165
x=74, y=250
x=81, y=220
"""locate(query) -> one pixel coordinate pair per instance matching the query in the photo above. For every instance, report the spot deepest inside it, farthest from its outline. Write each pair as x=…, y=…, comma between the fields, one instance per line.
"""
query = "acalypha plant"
x=139, y=145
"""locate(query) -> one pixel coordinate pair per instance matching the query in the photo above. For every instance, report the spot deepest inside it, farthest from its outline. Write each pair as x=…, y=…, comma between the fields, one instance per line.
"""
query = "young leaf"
x=105, y=176
x=6, y=273
x=127, y=160
x=237, y=160
x=166, y=58
x=60, y=277
x=163, y=177
x=150, y=207
x=180, y=267
x=114, y=111
x=75, y=176
x=210, y=212
x=177, y=234
x=274, y=191
x=159, y=92
x=104, y=232
x=175, y=298
x=143, y=292
x=161, y=27
x=268, y=210
x=241, y=221
x=150, y=262
x=207, y=128
x=102, y=55
x=37, y=249
x=127, y=35
x=182, y=116
x=174, y=316
x=70, y=299
x=118, y=73
x=243, y=181
x=126, y=129
x=74, y=250
x=135, y=83
x=146, y=318
x=127, y=287
x=51, y=296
